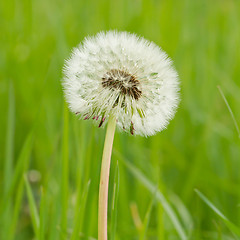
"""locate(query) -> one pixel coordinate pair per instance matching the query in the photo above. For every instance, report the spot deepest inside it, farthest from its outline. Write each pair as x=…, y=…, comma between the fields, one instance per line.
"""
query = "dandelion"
x=120, y=74
x=125, y=80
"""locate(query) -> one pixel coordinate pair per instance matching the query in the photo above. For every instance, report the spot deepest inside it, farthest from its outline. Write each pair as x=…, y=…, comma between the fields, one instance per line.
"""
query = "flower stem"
x=104, y=179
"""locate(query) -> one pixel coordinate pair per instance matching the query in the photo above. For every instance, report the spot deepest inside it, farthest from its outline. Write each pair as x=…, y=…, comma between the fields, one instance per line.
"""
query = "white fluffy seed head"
x=125, y=75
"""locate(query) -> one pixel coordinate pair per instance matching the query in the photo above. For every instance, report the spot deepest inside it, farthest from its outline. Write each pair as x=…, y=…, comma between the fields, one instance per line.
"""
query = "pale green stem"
x=104, y=179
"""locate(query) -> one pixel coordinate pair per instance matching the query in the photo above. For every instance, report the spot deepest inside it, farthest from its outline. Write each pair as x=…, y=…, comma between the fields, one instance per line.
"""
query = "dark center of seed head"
x=123, y=81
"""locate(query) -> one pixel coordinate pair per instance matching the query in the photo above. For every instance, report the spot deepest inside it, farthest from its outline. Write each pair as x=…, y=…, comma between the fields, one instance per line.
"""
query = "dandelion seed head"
x=125, y=75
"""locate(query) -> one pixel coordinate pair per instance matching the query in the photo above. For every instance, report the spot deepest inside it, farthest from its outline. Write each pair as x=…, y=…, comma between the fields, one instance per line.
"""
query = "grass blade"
x=146, y=220
x=32, y=207
x=159, y=197
x=9, y=157
x=21, y=167
x=230, y=110
x=8, y=166
x=183, y=212
x=79, y=209
x=65, y=172
x=114, y=202
x=16, y=210
x=42, y=215
x=230, y=225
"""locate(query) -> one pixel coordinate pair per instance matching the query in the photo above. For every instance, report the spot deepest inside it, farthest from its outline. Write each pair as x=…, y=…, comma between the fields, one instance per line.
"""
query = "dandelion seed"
x=121, y=74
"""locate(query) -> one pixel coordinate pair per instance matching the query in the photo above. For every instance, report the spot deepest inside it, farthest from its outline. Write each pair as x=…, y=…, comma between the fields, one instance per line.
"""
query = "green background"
x=61, y=156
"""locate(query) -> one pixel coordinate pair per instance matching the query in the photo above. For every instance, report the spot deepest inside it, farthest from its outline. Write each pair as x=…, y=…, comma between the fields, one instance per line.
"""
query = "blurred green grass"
x=200, y=149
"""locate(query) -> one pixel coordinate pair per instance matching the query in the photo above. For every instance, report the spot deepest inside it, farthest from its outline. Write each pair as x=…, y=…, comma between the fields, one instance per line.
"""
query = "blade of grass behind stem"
x=80, y=210
x=80, y=148
x=32, y=207
x=232, y=227
x=43, y=208
x=65, y=171
x=80, y=141
x=87, y=156
x=114, y=202
x=83, y=205
x=159, y=197
x=146, y=221
x=155, y=154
